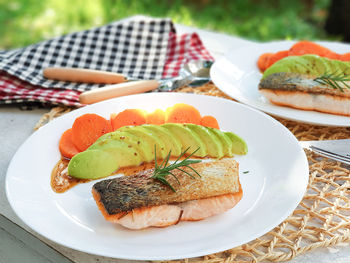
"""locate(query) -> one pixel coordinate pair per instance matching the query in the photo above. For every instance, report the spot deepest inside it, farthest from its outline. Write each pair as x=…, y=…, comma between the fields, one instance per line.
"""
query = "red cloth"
x=181, y=49
x=14, y=90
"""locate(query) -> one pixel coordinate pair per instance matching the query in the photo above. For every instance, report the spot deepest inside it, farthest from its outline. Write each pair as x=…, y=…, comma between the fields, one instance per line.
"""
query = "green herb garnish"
x=334, y=80
x=162, y=170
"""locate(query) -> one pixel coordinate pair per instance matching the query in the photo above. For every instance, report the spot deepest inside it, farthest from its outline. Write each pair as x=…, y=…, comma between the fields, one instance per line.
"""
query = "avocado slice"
x=213, y=143
x=92, y=164
x=188, y=138
x=122, y=152
x=148, y=138
x=225, y=140
x=239, y=146
x=170, y=142
x=309, y=65
x=141, y=146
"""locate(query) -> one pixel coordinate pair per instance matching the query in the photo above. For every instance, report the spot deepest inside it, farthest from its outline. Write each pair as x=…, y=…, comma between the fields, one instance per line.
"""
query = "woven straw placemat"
x=322, y=218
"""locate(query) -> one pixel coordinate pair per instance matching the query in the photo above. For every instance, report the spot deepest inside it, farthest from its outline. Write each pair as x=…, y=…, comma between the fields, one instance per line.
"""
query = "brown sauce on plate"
x=61, y=181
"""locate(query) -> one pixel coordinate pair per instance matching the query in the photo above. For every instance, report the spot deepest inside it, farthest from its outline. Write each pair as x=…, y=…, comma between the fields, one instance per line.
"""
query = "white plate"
x=237, y=75
x=275, y=184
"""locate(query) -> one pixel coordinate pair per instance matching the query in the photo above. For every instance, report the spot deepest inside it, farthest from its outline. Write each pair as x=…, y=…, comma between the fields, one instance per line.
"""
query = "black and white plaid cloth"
x=135, y=48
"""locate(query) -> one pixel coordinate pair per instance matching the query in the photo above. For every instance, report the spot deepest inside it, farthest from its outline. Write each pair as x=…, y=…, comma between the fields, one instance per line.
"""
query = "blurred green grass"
x=25, y=22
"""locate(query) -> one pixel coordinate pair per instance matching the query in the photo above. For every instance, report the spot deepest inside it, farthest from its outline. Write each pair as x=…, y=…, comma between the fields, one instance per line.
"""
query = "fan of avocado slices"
x=312, y=65
x=133, y=145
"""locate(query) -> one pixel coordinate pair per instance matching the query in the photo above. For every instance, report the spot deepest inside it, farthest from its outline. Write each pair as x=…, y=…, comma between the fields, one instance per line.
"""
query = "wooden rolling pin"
x=83, y=75
x=118, y=90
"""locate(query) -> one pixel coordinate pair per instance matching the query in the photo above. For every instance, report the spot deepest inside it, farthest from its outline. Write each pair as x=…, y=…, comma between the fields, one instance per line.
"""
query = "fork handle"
x=118, y=90
x=83, y=75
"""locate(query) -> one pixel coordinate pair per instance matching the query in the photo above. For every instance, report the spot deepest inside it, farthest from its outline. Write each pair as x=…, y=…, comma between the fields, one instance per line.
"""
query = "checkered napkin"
x=139, y=49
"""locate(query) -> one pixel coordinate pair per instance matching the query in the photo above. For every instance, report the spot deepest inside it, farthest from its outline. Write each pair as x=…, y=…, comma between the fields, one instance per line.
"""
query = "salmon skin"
x=124, y=194
x=288, y=81
x=303, y=92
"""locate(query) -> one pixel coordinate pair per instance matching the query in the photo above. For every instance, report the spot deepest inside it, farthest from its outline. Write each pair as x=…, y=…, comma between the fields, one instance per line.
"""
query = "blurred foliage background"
x=24, y=22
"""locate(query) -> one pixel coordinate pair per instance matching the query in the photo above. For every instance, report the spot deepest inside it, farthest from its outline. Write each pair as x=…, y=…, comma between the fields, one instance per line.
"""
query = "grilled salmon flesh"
x=139, y=201
x=303, y=92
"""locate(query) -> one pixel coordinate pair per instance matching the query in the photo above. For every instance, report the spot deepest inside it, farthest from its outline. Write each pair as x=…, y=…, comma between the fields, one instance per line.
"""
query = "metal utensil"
x=194, y=73
x=338, y=150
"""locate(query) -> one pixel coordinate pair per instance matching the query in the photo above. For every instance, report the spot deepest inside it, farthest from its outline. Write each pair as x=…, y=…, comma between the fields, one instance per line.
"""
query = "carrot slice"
x=128, y=117
x=87, y=129
x=308, y=47
x=156, y=117
x=263, y=61
x=345, y=57
x=277, y=56
x=66, y=145
x=111, y=117
x=209, y=121
x=182, y=113
x=334, y=55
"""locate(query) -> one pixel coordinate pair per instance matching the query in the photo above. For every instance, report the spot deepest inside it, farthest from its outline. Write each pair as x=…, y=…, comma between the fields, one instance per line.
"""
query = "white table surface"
x=15, y=128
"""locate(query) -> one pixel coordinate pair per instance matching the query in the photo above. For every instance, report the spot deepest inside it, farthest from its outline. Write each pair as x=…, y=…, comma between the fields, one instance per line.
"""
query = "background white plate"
x=275, y=184
x=237, y=75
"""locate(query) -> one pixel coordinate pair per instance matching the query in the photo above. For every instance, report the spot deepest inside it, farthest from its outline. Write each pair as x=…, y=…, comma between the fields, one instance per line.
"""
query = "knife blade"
x=335, y=149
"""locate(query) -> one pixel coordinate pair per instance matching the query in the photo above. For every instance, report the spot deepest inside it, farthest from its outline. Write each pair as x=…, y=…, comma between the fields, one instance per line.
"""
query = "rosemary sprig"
x=161, y=171
x=333, y=80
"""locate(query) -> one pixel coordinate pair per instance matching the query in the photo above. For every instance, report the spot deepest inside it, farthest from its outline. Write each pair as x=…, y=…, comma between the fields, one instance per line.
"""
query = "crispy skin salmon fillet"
x=303, y=92
x=138, y=201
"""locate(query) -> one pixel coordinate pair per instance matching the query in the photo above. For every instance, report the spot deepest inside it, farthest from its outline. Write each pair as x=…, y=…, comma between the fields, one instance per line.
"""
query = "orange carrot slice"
x=128, y=117
x=111, y=117
x=182, y=113
x=264, y=61
x=156, y=117
x=209, y=121
x=308, y=47
x=66, y=145
x=277, y=56
x=334, y=55
x=345, y=57
x=87, y=129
